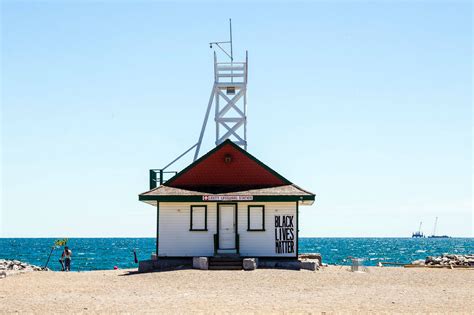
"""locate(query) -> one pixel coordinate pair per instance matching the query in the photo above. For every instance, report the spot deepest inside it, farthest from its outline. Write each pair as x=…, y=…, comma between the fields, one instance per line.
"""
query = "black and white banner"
x=284, y=234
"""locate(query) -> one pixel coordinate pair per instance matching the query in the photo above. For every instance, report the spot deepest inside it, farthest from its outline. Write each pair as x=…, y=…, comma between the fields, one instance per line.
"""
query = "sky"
x=367, y=104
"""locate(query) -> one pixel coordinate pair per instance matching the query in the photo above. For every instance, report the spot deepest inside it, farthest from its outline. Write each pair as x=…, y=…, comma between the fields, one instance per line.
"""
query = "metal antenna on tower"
x=218, y=44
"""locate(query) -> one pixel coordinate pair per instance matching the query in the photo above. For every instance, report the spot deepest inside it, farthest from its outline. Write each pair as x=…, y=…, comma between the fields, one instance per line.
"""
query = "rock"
x=309, y=265
x=316, y=256
x=3, y=274
x=16, y=266
x=250, y=263
x=200, y=263
x=450, y=260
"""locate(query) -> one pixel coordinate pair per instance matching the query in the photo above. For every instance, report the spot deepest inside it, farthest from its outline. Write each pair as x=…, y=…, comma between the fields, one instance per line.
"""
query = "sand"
x=332, y=289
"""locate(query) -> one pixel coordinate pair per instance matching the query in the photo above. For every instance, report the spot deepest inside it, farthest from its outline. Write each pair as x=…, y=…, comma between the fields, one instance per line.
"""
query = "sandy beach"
x=332, y=289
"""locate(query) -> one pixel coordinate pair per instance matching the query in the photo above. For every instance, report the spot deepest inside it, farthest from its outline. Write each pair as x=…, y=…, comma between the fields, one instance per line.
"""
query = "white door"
x=226, y=226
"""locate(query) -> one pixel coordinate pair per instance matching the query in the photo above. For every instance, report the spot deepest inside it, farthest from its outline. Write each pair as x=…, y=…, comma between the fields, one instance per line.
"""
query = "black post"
x=157, y=225
x=216, y=244
x=152, y=179
x=45, y=265
x=161, y=177
x=297, y=229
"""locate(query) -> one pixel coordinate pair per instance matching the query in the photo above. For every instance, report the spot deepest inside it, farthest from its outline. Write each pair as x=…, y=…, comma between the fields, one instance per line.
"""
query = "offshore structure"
x=418, y=233
x=434, y=231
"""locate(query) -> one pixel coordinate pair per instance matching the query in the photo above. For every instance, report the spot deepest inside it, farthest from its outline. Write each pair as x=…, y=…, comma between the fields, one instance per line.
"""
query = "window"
x=256, y=218
x=198, y=218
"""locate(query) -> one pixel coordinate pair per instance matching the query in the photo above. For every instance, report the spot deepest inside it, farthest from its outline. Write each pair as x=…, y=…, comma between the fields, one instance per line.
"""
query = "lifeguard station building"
x=227, y=202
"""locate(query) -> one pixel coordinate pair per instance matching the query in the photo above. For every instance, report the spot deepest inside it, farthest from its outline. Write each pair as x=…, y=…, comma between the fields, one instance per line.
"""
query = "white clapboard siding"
x=262, y=243
x=175, y=238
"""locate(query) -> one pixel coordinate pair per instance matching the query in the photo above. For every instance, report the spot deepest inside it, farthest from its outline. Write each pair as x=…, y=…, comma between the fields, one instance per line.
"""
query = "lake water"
x=105, y=253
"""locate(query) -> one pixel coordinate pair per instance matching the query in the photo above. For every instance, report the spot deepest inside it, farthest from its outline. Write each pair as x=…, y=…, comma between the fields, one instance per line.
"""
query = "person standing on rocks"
x=66, y=257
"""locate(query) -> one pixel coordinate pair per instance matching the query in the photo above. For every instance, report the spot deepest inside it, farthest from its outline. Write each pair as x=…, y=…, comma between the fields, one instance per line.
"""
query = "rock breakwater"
x=8, y=267
x=447, y=260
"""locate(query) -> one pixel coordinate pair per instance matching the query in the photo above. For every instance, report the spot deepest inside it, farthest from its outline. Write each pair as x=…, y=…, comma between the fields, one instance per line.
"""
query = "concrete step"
x=227, y=262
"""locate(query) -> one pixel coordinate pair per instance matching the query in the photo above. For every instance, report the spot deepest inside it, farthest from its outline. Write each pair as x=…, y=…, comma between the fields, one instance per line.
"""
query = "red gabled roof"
x=226, y=168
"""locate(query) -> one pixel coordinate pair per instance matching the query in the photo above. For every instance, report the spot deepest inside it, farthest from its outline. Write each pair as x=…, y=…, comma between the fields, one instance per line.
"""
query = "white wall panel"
x=175, y=238
x=262, y=243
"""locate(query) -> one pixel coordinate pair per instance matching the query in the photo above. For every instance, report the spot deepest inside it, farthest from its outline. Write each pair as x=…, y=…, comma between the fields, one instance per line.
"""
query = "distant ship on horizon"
x=434, y=231
x=419, y=234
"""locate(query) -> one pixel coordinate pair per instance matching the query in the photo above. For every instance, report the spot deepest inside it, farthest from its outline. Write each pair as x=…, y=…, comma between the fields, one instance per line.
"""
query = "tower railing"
x=230, y=73
x=159, y=176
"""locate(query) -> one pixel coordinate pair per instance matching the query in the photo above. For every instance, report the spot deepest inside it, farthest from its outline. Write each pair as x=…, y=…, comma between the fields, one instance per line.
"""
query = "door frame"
x=235, y=218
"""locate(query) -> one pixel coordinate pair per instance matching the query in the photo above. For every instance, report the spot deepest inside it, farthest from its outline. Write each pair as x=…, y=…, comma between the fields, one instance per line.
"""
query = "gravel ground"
x=332, y=289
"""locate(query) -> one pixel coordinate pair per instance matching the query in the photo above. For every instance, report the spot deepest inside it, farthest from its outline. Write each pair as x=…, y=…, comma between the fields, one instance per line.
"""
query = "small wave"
x=421, y=251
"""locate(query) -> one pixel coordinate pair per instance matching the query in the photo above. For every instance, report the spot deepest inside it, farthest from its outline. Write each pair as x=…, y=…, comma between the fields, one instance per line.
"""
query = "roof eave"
x=305, y=199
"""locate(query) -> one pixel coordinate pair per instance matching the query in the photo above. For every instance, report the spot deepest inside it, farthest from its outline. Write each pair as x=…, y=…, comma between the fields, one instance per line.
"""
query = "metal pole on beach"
x=47, y=261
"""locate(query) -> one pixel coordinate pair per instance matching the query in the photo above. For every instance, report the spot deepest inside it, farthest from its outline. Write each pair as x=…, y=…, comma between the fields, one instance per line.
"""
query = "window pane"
x=199, y=218
x=256, y=218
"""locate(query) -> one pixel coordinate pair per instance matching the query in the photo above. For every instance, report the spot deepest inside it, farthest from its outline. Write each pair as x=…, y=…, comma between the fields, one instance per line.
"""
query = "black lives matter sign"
x=284, y=234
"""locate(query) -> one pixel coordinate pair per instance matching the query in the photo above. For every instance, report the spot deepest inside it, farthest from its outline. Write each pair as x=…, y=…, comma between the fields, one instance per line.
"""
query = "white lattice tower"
x=230, y=97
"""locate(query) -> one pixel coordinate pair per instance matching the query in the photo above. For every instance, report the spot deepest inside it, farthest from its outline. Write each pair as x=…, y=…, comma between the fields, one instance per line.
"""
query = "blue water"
x=105, y=253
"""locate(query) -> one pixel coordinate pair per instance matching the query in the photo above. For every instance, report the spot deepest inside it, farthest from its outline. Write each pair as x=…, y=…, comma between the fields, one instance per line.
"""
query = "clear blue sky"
x=366, y=104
